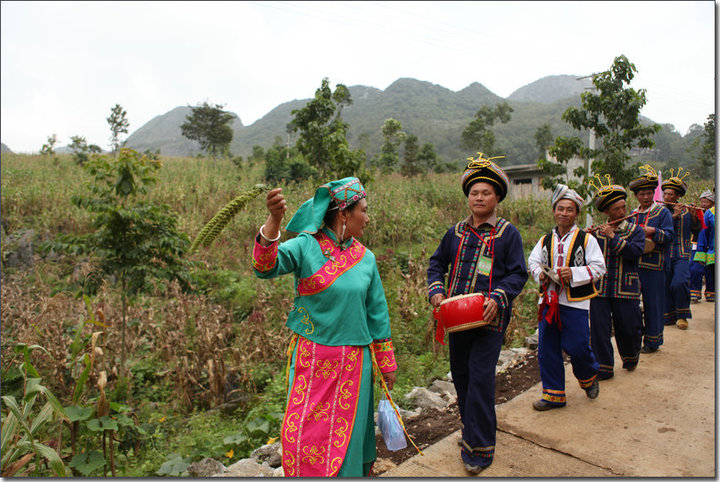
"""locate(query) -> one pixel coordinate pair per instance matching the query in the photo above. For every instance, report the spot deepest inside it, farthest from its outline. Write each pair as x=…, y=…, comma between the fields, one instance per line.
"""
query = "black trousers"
x=624, y=315
x=473, y=357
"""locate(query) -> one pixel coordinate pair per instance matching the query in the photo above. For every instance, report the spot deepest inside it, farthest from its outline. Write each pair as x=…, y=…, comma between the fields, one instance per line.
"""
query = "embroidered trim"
x=264, y=257
x=385, y=355
x=339, y=262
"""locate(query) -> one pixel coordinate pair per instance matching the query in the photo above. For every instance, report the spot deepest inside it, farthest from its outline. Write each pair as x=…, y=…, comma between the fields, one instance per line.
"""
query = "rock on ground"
x=22, y=256
x=248, y=468
x=444, y=388
x=206, y=467
x=424, y=398
x=272, y=454
x=383, y=465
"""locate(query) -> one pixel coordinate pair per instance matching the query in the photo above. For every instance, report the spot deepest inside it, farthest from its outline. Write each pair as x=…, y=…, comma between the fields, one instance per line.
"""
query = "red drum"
x=459, y=313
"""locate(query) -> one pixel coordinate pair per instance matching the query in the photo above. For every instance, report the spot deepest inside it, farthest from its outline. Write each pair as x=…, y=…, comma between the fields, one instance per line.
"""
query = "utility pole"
x=588, y=163
x=591, y=145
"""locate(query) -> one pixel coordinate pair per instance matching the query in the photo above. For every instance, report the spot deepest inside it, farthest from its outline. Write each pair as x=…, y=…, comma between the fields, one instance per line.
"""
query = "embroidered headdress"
x=607, y=194
x=709, y=195
x=485, y=170
x=564, y=192
x=676, y=182
x=649, y=180
x=310, y=217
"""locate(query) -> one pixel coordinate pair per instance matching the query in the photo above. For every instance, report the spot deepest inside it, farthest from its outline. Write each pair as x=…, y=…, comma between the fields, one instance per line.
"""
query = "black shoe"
x=647, y=349
x=593, y=390
x=605, y=376
x=631, y=367
x=542, y=405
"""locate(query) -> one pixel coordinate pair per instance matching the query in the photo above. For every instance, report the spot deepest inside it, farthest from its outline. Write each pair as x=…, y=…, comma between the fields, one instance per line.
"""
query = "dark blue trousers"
x=473, y=357
x=697, y=272
x=625, y=316
x=677, y=291
x=574, y=339
x=652, y=286
x=710, y=282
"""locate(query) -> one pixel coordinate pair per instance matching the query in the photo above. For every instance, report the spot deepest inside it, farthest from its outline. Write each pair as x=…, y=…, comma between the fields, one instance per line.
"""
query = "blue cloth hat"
x=311, y=215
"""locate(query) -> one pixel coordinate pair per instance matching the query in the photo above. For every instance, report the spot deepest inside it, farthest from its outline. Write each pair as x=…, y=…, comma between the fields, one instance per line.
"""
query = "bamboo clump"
x=213, y=228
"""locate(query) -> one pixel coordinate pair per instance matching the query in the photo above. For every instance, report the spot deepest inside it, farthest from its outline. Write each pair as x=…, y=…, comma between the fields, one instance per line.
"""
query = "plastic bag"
x=390, y=427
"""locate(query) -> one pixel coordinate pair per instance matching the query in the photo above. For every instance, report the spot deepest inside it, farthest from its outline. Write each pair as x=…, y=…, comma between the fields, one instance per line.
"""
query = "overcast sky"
x=64, y=65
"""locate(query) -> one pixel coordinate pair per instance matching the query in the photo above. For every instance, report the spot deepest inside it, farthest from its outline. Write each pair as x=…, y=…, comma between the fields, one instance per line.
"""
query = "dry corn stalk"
x=211, y=230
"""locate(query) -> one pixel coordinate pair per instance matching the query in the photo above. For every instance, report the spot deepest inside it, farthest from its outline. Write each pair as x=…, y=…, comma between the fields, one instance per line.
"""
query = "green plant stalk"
x=213, y=228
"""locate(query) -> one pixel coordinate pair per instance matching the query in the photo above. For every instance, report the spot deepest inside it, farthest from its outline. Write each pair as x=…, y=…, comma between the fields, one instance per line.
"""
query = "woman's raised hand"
x=276, y=204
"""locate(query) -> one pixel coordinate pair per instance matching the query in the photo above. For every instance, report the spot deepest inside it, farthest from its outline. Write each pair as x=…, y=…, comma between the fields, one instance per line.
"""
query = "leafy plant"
x=22, y=427
x=135, y=240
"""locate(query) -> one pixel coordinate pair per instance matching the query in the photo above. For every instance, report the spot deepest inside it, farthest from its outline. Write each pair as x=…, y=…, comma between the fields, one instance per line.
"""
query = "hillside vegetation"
x=433, y=113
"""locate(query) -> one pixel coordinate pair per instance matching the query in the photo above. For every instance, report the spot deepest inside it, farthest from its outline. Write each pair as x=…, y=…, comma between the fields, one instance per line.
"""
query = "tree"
x=258, y=153
x=284, y=164
x=210, y=127
x=323, y=134
x=411, y=164
x=543, y=138
x=611, y=111
x=118, y=125
x=80, y=149
x=393, y=134
x=478, y=135
x=134, y=240
x=49, y=148
x=703, y=147
x=428, y=158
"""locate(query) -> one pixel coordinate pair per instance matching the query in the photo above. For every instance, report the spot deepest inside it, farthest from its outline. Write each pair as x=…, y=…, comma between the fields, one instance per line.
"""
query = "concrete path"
x=658, y=421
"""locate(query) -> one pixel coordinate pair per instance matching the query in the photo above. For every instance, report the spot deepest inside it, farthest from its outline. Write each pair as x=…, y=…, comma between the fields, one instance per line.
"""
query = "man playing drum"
x=654, y=263
x=618, y=302
x=565, y=262
x=484, y=254
x=677, y=283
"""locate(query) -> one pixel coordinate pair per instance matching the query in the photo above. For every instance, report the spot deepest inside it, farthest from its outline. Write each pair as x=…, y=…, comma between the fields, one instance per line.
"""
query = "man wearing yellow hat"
x=677, y=284
x=657, y=223
x=618, y=302
x=484, y=254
